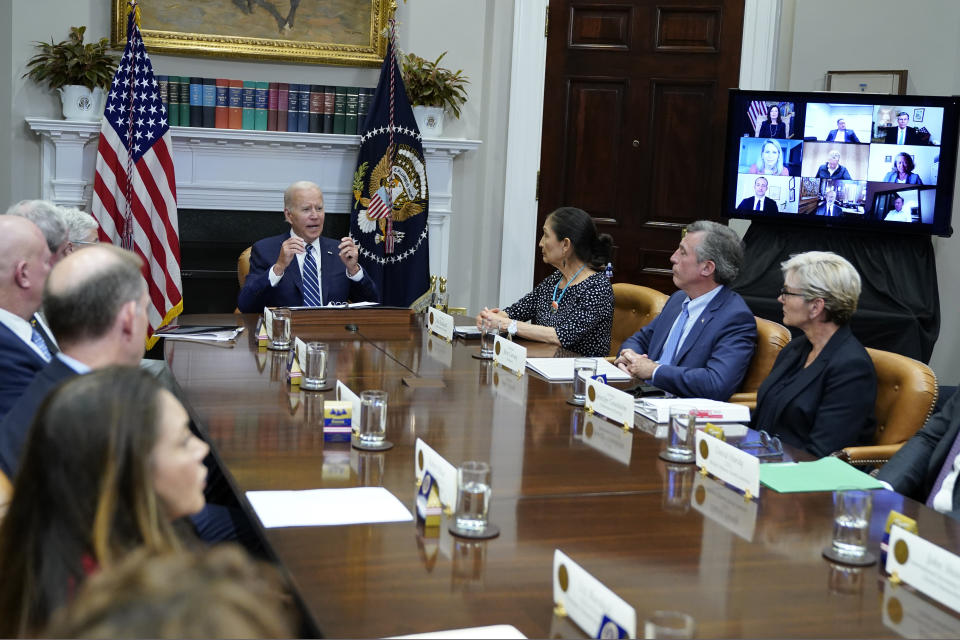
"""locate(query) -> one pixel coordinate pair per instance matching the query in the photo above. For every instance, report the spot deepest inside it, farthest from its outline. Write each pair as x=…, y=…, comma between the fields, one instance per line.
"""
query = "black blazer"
x=769, y=205
x=829, y=405
x=913, y=469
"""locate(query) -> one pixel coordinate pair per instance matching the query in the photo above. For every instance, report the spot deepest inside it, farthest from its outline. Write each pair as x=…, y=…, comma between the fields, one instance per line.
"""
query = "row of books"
x=263, y=106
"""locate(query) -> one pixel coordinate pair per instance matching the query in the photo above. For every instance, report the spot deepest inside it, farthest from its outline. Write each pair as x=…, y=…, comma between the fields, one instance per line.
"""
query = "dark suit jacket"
x=840, y=174
x=776, y=131
x=16, y=424
x=912, y=136
x=828, y=405
x=850, y=137
x=834, y=211
x=19, y=363
x=713, y=359
x=769, y=206
x=913, y=469
x=337, y=287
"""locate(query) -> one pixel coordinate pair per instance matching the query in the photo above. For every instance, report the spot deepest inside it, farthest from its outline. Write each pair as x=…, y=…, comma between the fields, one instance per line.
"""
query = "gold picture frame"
x=336, y=32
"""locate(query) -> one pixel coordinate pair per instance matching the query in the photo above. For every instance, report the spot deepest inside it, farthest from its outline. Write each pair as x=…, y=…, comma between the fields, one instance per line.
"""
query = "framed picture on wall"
x=889, y=82
x=338, y=32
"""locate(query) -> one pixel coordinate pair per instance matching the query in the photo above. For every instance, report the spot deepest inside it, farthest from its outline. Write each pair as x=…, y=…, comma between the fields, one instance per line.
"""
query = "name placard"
x=300, y=349
x=728, y=463
x=611, y=403
x=440, y=323
x=724, y=506
x=608, y=439
x=425, y=459
x=344, y=393
x=268, y=322
x=509, y=355
x=929, y=569
x=593, y=606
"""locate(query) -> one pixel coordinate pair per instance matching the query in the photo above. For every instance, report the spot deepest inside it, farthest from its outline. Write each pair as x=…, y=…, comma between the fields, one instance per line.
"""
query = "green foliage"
x=72, y=62
x=431, y=85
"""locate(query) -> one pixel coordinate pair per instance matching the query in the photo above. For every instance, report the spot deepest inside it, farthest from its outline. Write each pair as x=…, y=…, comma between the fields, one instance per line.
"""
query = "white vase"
x=429, y=120
x=80, y=103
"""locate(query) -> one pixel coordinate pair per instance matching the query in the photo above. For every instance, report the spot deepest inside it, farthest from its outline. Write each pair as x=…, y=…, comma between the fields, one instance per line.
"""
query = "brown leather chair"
x=771, y=338
x=906, y=395
x=243, y=266
x=6, y=493
x=634, y=307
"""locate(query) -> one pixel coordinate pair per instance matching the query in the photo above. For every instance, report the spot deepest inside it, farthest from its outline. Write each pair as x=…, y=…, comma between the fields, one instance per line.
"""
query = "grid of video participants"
x=871, y=162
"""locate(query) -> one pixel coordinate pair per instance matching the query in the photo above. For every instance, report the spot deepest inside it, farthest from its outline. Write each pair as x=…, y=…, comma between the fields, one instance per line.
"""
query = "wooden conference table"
x=659, y=535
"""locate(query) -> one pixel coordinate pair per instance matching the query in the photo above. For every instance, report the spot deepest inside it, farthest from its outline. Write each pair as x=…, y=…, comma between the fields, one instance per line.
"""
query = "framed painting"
x=889, y=82
x=339, y=32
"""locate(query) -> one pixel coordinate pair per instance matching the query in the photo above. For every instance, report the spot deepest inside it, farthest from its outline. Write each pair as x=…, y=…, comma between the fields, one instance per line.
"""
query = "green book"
x=249, y=104
x=350, y=120
x=173, y=101
x=340, y=111
x=185, y=101
x=261, y=104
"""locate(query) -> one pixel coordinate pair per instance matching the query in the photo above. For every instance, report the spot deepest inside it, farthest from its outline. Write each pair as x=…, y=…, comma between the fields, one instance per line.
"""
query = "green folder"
x=825, y=474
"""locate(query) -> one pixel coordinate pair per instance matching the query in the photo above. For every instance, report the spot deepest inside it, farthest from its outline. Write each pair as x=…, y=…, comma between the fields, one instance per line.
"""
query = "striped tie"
x=311, y=281
x=37, y=340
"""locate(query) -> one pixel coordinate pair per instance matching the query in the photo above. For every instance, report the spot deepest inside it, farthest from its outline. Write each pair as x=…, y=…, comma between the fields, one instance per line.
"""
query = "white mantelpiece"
x=234, y=170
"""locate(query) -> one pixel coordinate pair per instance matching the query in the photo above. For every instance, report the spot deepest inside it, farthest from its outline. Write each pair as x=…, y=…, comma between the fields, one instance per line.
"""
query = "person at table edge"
x=573, y=306
x=278, y=263
x=820, y=394
x=701, y=344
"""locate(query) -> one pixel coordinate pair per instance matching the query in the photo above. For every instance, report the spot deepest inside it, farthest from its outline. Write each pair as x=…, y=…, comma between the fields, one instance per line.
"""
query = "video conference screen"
x=842, y=160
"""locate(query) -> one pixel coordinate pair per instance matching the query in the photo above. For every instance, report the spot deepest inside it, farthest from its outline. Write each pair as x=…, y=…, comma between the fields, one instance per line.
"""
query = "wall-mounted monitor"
x=844, y=160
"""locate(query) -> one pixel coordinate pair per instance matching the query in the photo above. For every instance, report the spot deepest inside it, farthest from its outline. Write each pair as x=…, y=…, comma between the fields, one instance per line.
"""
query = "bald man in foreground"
x=303, y=268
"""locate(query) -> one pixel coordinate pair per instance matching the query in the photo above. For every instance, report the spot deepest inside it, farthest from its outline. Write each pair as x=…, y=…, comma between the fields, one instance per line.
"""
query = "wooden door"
x=635, y=103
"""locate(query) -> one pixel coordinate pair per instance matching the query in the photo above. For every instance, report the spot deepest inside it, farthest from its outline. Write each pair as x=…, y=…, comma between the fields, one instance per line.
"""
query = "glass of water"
x=373, y=417
x=681, y=434
x=583, y=370
x=473, y=495
x=851, y=521
x=280, y=329
x=315, y=366
x=489, y=327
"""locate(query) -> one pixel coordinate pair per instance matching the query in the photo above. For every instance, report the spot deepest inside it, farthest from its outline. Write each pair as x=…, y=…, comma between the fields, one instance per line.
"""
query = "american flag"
x=379, y=206
x=134, y=189
x=757, y=112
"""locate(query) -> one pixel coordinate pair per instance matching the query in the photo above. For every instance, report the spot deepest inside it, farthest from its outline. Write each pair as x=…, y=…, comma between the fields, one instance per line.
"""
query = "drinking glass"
x=583, y=369
x=681, y=434
x=489, y=327
x=373, y=417
x=851, y=522
x=280, y=329
x=315, y=366
x=473, y=495
x=669, y=624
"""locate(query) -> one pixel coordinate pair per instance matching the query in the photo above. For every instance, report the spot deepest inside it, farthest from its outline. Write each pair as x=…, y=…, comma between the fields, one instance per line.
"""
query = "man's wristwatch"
x=512, y=329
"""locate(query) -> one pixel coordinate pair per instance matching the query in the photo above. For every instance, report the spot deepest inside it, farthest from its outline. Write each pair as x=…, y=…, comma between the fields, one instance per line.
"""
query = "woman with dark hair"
x=902, y=172
x=108, y=466
x=573, y=306
x=773, y=126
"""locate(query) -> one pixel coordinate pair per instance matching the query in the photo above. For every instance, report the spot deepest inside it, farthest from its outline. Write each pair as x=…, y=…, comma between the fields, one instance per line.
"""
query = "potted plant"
x=432, y=89
x=79, y=72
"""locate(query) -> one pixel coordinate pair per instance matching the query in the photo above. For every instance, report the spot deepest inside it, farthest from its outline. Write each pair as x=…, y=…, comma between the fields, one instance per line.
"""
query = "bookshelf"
x=244, y=170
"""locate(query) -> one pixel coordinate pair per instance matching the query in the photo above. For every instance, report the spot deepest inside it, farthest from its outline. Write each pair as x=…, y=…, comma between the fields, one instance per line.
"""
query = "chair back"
x=634, y=307
x=771, y=338
x=243, y=266
x=906, y=395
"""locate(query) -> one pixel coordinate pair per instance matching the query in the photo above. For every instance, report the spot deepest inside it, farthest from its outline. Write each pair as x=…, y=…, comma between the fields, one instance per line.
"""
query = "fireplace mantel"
x=239, y=170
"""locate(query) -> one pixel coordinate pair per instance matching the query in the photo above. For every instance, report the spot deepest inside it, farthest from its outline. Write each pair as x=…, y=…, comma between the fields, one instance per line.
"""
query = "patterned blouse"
x=583, y=319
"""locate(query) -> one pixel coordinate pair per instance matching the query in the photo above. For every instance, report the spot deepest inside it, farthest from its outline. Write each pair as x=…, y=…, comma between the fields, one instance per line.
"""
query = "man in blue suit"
x=24, y=265
x=701, y=343
x=302, y=268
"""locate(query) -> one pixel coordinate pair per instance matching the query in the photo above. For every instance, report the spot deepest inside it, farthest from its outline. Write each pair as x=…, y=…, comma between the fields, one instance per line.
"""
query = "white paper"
x=226, y=335
x=612, y=404
x=561, y=369
x=509, y=355
x=468, y=330
x=327, y=507
x=496, y=632
x=728, y=463
x=658, y=409
x=587, y=600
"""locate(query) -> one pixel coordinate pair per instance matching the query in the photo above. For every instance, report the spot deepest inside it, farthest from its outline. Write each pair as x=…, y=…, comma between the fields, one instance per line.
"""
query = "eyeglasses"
x=784, y=292
x=767, y=447
x=83, y=242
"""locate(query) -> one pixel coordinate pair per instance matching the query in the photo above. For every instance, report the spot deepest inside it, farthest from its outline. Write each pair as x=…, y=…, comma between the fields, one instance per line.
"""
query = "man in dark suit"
x=302, y=268
x=701, y=343
x=24, y=265
x=829, y=206
x=903, y=134
x=759, y=202
x=923, y=469
x=842, y=134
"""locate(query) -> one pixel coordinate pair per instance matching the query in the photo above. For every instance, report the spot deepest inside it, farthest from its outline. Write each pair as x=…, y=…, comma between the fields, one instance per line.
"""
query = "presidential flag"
x=134, y=189
x=389, y=219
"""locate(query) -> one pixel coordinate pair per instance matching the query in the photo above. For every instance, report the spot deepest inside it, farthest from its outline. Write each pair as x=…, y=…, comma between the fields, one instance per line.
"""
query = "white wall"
x=921, y=38
x=480, y=45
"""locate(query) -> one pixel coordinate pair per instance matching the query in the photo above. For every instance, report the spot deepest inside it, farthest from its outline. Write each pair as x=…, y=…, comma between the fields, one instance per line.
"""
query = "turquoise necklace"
x=555, y=304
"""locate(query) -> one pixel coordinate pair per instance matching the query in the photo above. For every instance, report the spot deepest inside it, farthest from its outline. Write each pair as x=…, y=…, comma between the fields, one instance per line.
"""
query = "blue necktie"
x=673, y=340
x=758, y=205
x=37, y=340
x=311, y=281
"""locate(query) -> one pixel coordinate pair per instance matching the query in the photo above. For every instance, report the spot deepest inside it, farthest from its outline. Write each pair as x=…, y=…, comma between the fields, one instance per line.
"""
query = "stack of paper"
x=561, y=369
x=658, y=409
x=326, y=507
x=200, y=333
